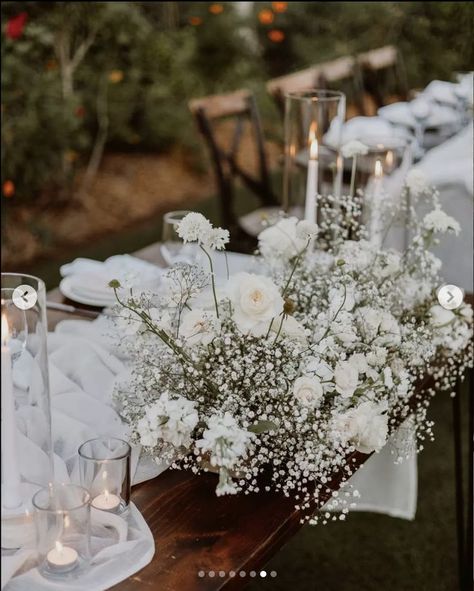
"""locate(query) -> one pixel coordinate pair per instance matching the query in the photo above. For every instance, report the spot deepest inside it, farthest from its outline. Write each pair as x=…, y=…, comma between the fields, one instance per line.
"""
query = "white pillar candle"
x=11, y=492
x=312, y=182
x=375, y=218
x=61, y=558
x=106, y=501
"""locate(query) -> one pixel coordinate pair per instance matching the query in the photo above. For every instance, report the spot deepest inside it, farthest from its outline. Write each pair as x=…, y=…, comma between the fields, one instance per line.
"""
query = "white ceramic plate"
x=66, y=287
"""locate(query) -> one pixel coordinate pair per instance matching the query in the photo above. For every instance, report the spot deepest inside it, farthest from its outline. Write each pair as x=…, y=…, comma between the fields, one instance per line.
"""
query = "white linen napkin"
x=359, y=128
x=90, y=279
x=443, y=92
x=451, y=162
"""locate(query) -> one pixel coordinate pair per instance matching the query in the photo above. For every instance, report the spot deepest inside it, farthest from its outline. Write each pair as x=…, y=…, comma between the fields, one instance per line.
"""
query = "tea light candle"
x=62, y=558
x=106, y=501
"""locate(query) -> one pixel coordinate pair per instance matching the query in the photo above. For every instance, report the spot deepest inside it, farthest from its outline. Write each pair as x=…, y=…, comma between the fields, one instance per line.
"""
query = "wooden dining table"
x=204, y=542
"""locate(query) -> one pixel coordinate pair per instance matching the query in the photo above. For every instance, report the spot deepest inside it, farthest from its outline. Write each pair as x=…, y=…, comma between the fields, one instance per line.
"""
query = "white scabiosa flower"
x=194, y=227
x=346, y=378
x=306, y=230
x=308, y=391
x=171, y=420
x=255, y=300
x=218, y=238
x=224, y=440
x=354, y=148
x=199, y=327
x=416, y=181
x=438, y=221
x=281, y=241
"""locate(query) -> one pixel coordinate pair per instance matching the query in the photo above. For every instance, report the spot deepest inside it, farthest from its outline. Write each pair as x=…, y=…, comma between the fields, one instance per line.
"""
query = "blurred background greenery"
x=80, y=79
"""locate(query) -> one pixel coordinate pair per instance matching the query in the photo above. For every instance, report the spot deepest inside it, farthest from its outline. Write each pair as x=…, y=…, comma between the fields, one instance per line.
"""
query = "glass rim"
x=4, y=275
x=63, y=486
x=316, y=95
x=169, y=215
x=128, y=449
x=382, y=143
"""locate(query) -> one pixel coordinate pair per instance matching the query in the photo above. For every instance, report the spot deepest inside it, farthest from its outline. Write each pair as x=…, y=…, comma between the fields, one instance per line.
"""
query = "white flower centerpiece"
x=276, y=380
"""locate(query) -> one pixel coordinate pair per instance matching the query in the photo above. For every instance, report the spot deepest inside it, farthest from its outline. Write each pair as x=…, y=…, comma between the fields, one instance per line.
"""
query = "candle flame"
x=339, y=162
x=378, y=169
x=59, y=547
x=5, y=330
x=67, y=521
x=106, y=494
x=389, y=159
x=312, y=141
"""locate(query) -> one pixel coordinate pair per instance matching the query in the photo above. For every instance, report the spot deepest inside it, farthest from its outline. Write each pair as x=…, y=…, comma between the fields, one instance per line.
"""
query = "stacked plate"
x=86, y=281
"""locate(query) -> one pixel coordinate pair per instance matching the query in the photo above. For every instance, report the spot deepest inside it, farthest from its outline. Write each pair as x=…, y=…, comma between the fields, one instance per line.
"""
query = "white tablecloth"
x=449, y=167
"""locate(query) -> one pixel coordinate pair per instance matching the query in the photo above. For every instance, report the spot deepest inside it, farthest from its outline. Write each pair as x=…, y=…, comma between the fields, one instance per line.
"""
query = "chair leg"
x=470, y=498
x=456, y=401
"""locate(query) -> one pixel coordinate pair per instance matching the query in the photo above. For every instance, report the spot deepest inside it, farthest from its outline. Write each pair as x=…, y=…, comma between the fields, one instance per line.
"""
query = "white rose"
x=359, y=361
x=199, y=327
x=365, y=426
x=255, y=300
x=438, y=221
x=290, y=328
x=281, y=240
x=465, y=311
x=308, y=391
x=370, y=426
x=439, y=316
x=379, y=326
x=346, y=377
x=320, y=369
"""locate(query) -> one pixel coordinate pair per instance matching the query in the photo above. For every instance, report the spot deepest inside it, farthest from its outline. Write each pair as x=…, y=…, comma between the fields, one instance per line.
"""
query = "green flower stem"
x=213, y=281
x=353, y=174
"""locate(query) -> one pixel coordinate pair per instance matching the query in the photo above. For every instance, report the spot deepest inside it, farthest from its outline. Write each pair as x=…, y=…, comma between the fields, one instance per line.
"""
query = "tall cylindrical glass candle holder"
x=313, y=126
x=26, y=416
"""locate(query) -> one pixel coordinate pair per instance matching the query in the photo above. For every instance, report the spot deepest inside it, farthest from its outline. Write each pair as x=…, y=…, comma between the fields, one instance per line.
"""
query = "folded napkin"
x=451, y=162
x=89, y=279
x=369, y=128
x=430, y=113
x=443, y=92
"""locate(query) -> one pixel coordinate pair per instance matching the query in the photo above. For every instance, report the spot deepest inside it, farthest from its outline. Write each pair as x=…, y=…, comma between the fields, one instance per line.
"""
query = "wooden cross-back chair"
x=383, y=77
x=241, y=107
x=324, y=75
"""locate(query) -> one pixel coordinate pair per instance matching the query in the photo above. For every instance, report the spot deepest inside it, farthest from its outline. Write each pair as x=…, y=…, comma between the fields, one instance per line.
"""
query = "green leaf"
x=262, y=427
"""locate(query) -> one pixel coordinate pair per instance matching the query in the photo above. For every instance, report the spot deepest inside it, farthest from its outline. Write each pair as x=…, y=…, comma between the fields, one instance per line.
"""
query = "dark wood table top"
x=194, y=530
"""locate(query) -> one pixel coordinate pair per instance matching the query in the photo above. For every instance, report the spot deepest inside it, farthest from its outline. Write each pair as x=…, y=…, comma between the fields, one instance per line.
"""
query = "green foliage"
x=121, y=73
x=435, y=38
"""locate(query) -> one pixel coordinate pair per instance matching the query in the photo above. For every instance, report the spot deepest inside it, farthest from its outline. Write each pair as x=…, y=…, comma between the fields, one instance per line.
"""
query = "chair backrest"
x=240, y=108
x=318, y=76
x=382, y=76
